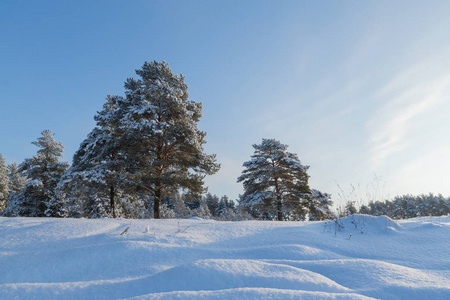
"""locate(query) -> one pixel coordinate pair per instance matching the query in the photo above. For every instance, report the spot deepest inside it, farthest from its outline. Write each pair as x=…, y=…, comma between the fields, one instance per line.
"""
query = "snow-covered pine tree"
x=17, y=180
x=320, y=206
x=192, y=201
x=4, y=184
x=180, y=208
x=134, y=207
x=221, y=206
x=364, y=209
x=275, y=182
x=17, y=184
x=164, y=146
x=149, y=139
x=350, y=208
x=225, y=206
x=96, y=178
x=38, y=198
x=378, y=208
x=202, y=211
x=212, y=201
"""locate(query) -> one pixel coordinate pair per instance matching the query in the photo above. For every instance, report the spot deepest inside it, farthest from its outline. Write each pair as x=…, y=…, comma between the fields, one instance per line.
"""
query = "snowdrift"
x=359, y=257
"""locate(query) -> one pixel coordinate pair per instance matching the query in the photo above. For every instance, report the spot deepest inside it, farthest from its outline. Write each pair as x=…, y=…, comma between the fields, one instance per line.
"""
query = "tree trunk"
x=112, y=201
x=279, y=214
x=157, y=201
x=277, y=191
x=158, y=183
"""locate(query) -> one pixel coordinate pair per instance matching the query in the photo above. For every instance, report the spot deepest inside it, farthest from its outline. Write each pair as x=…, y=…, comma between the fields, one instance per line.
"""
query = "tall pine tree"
x=275, y=183
x=147, y=140
x=162, y=143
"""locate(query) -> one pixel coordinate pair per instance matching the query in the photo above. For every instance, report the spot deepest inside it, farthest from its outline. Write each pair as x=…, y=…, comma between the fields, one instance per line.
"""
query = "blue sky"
x=359, y=90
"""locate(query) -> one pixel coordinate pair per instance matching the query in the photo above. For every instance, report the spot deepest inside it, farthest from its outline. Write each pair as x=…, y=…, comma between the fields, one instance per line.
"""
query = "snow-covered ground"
x=372, y=257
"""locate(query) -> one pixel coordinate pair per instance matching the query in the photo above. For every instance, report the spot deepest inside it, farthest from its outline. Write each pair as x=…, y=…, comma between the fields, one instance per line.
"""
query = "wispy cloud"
x=403, y=106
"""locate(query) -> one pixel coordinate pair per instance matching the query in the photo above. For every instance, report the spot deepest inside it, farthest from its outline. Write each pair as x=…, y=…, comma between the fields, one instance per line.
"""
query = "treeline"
x=42, y=186
x=403, y=207
x=145, y=159
x=38, y=188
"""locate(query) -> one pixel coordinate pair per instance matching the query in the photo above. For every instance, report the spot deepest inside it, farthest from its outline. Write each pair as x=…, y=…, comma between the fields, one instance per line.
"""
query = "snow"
x=45, y=258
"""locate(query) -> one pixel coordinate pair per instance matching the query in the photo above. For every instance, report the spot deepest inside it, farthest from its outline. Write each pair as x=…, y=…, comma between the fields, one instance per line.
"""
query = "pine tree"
x=17, y=180
x=4, y=184
x=350, y=208
x=320, y=206
x=180, y=208
x=212, y=201
x=147, y=140
x=202, y=211
x=39, y=198
x=225, y=206
x=164, y=147
x=96, y=178
x=221, y=206
x=364, y=209
x=17, y=184
x=275, y=182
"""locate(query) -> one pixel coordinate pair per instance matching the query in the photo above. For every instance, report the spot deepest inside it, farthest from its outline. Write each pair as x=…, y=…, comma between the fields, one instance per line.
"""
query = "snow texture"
x=370, y=257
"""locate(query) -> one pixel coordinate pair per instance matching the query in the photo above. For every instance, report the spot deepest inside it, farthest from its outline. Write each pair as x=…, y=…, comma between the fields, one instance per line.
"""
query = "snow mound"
x=428, y=226
x=363, y=275
x=217, y=274
x=369, y=224
x=283, y=251
x=191, y=259
x=251, y=294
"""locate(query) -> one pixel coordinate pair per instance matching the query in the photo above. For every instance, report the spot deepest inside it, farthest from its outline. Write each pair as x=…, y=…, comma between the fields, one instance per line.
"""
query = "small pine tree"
x=39, y=197
x=320, y=206
x=350, y=208
x=212, y=201
x=17, y=184
x=17, y=180
x=202, y=211
x=133, y=206
x=167, y=212
x=4, y=184
x=180, y=208
x=275, y=183
x=364, y=209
